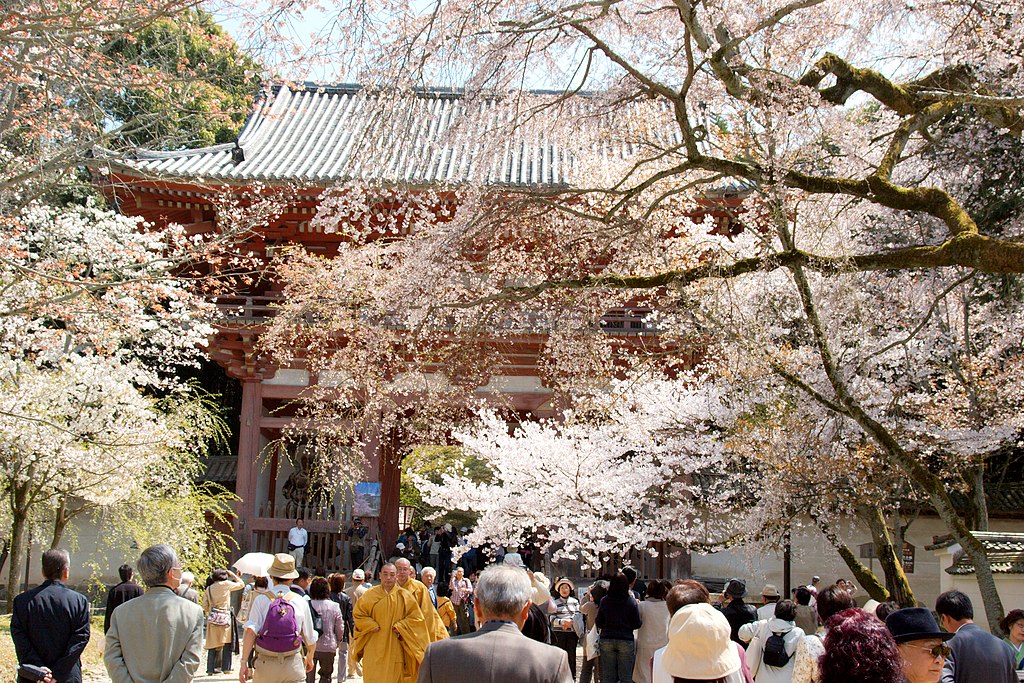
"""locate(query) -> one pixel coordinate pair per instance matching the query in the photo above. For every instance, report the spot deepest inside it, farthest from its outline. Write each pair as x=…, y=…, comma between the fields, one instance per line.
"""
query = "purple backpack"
x=280, y=631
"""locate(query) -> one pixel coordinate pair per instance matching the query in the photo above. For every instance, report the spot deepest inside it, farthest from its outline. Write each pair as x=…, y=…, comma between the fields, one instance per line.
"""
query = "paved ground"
x=101, y=676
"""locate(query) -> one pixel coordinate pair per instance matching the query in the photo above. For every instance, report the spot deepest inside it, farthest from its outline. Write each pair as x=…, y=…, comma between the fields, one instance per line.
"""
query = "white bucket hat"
x=698, y=644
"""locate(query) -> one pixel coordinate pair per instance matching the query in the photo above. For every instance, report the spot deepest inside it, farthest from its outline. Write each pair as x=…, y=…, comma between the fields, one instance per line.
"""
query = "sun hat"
x=736, y=588
x=770, y=591
x=283, y=567
x=564, y=579
x=699, y=646
x=914, y=623
x=514, y=560
x=359, y=575
x=541, y=594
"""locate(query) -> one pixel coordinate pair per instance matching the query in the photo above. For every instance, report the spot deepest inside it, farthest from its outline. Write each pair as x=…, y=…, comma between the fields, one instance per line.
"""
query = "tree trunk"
x=60, y=522
x=889, y=557
x=980, y=503
x=861, y=573
x=19, y=515
x=899, y=457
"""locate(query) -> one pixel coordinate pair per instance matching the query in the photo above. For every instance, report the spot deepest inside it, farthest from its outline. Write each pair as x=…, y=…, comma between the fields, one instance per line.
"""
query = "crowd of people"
x=505, y=624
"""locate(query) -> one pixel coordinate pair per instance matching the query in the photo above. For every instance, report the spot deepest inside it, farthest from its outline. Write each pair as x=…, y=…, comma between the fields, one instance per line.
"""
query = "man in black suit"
x=977, y=657
x=121, y=593
x=50, y=623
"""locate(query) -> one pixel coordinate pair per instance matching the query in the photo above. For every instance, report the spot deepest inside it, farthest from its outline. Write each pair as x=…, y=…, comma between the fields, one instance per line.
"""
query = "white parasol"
x=256, y=564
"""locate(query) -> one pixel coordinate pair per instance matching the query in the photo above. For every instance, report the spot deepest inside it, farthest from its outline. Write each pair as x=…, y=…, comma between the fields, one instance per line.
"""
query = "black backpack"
x=775, y=651
x=318, y=621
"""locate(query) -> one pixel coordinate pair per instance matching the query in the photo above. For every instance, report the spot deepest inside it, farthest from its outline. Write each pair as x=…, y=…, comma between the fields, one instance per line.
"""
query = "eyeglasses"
x=940, y=650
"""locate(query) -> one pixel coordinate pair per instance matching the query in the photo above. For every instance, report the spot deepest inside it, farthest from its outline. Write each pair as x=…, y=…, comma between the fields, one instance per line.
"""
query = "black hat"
x=736, y=588
x=914, y=623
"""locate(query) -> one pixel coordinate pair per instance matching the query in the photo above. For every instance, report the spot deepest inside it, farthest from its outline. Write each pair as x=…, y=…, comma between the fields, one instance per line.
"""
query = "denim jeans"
x=219, y=658
x=617, y=659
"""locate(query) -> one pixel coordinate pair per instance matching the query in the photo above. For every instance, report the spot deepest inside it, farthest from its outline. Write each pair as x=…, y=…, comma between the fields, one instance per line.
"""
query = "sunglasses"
x=940, y=650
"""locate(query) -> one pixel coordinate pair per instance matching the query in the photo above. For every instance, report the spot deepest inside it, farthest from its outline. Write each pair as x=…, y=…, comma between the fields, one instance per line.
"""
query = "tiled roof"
x=322, y=134
x=221, y=469
x=1005, y=551
x=1005, y=498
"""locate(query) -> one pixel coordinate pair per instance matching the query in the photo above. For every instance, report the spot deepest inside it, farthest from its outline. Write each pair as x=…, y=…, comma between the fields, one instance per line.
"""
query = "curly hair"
x=859, y=649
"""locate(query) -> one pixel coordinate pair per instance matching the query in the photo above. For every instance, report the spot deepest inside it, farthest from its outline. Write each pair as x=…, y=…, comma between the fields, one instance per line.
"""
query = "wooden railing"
x=247, y=309
x=328, y=551
x=307, y=511
x=619, y=321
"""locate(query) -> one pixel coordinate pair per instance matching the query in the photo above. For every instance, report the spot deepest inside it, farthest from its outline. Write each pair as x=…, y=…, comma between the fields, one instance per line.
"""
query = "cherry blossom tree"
x=93, y=329
x=793, y=184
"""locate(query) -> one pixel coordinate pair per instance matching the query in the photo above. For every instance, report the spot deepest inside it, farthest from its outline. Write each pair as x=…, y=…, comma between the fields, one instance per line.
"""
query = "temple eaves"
x=320, y=135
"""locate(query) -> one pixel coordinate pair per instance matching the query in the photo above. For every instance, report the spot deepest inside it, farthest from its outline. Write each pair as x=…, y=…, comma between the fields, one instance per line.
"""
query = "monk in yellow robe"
x=435, y=629
x=390, y=634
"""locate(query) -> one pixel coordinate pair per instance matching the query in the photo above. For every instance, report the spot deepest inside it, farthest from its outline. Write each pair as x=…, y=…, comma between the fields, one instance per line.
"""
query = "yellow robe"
x=447, y=613
x=387, y=656
x=435, y=627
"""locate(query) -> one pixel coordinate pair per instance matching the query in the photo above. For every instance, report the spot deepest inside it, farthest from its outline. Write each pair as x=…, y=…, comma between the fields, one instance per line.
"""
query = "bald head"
x=405, y=571
x=388, y=576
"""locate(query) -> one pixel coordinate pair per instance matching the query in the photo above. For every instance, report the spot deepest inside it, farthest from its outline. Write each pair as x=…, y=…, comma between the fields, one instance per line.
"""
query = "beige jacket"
x=155, y=638
x=218, y=596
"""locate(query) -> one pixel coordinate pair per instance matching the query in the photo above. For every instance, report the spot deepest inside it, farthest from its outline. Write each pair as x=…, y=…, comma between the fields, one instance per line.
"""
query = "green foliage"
x=432, y=463
x=196, y=524
x=204, y=87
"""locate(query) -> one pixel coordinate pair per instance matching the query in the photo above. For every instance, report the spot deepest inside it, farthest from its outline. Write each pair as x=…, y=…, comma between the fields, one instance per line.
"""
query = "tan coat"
x=155, y=638
x=218, y=596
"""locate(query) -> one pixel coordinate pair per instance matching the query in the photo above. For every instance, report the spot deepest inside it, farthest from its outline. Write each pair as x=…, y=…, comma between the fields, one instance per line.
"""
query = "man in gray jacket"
x=498, y=652
x=158, y=637
x=977, y=657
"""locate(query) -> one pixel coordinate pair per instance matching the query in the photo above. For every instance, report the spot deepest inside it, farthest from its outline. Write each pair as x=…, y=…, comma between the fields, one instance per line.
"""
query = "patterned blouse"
x=805, y=665
x=461, y=590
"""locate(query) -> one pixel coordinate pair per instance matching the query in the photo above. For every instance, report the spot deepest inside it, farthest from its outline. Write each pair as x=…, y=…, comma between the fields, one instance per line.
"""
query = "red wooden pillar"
x=248, y=454
x=390, y=481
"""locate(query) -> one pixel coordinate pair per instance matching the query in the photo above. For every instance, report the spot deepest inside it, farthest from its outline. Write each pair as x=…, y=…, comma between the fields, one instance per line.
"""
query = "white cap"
x=359, y=575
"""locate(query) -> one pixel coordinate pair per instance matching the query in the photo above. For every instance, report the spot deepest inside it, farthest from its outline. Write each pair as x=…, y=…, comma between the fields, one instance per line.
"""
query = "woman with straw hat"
x=565, y=621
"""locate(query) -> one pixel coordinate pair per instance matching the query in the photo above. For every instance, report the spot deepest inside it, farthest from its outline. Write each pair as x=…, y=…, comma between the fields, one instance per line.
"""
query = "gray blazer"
x=155, y=638
x=497, y=653
x=978, y=657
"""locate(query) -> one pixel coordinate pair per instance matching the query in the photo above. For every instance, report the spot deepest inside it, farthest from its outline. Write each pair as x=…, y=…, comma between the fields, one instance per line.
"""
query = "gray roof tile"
x=321, y=134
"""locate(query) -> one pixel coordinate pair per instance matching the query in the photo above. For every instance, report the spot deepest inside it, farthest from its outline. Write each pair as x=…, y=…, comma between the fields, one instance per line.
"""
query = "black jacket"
x=118, y=595
x=50, y=627
x=739, y=613
x=618, y=617
x=345, y=603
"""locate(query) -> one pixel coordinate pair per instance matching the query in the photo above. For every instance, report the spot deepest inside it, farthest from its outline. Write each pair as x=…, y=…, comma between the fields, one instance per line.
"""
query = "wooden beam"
x=248, y=454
